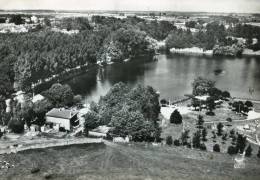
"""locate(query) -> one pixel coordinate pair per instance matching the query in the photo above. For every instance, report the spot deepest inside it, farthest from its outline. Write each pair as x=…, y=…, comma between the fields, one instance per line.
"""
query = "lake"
x=172, y=76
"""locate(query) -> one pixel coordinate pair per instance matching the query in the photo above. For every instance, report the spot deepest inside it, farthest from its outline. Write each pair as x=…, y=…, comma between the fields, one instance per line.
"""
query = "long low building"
x=62, y=118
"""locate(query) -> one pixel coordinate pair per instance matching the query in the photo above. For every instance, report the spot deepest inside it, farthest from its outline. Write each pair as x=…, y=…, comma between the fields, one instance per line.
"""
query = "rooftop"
x=62, y=113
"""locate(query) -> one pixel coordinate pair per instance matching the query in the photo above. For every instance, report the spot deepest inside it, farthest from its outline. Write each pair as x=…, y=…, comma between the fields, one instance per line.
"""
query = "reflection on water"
x=172, y=75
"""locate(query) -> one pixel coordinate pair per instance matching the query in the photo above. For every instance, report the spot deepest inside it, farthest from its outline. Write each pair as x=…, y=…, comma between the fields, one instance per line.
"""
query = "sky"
x=243, y=6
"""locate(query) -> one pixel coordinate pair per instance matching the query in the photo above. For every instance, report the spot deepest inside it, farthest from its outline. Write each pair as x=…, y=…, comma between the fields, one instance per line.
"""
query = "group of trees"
x=240, y=106
x=131, y=112
x=29, y=57
x=213, y=34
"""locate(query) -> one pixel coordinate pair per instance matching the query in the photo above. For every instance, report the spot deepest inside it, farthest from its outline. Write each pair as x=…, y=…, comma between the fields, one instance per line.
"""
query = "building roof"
x=62, y=113
x=37, y=97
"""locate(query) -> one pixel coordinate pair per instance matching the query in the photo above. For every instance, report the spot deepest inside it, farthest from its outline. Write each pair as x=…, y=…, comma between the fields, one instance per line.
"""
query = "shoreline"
x=199, y=51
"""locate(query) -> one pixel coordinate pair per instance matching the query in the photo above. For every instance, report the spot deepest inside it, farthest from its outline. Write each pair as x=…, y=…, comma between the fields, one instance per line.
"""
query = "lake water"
x=172, y=76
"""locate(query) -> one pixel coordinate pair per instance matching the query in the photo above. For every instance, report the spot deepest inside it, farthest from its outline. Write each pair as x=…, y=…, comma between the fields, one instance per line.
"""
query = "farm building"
x=62, y=118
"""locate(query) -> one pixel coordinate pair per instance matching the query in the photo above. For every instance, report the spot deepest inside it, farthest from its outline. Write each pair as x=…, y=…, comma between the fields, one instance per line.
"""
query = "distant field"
x=112, y=161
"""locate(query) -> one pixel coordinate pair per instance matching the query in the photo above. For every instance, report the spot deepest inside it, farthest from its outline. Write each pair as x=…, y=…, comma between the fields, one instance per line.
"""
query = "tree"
x=203, y=147
x=232, y=150
x=17, y=19
x=249, y=104
x=226, y=94
x=2, y=108
x=220, y=129
x=200, y=121
x=216, y=148
x=202, y=86
x=229, y=119
x=176, y=117
x=248, y=151
x=176, y=142
x=241, y=143
x=16, y=126
x=40, y=108
x=133, y=123
x=238, y=106
x=184, y=137
x=196, y=139
x=60, y=95
x=210, y=102
x=92, y=121
x=204, y=134
x=47, y=21
x=258, y=154
x=224, y=137
x=169, y=140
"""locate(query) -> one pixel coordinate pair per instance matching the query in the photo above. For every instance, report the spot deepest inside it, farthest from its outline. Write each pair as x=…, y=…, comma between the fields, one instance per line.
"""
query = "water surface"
x=172, y=75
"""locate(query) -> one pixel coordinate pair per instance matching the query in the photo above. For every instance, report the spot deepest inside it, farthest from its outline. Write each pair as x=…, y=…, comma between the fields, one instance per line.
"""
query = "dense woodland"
x=28, y=57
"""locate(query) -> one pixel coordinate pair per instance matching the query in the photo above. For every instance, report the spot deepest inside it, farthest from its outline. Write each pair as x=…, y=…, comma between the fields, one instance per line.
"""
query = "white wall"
x=63, y=122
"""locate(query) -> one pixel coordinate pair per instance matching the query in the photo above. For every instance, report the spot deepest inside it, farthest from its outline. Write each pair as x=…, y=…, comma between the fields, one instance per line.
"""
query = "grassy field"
x=190, y=123
x=100, y=161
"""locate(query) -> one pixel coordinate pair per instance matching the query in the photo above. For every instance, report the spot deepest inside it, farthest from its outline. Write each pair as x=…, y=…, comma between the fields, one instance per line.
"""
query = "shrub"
x=241, y=143
x=229, y=119
x=224, y=137
x=176, y=142
x=210, y=113
x=214, y=135
x=249, y=104
x=163, y=101
x=248, y=151
x=176, y=117
x=200, y=121
x=216, y=148
x=17, y=126
x=169, y=140
x=220, y=129
x=204, y=134
x=203, y=147
x=196, y=139
x=35, y=170
x=232, y=150
x=225, y=94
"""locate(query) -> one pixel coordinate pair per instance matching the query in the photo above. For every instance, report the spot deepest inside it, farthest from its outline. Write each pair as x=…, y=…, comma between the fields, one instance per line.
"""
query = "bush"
x=229, y=119
x=210, y=113
x=220, y=129
x=16, y=126
x=249, y=104
x=249, y=151
x=232, y=150
x=169, y=140
x=163, y=101
x=35, y=170
x=176, y=142
x=176, y=117
x=203, y=147
x=225, y=94
x=224, y=137
x=216, y=148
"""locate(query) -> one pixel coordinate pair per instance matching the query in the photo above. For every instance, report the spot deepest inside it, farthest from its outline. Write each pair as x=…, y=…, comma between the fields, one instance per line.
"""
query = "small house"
x=62, y=118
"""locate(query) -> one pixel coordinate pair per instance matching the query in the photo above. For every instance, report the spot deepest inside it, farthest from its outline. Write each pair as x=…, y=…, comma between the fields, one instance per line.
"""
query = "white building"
x=62, y=118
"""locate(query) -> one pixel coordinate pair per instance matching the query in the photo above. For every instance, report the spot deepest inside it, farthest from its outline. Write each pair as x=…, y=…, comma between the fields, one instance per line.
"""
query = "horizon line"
x=179, y=11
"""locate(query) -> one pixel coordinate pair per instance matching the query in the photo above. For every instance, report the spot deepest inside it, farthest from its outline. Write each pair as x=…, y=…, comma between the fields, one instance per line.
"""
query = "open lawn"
x=112, y=161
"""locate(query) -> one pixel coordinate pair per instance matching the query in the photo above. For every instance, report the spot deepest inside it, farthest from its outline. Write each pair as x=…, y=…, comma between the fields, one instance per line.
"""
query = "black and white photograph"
x=130, y=89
